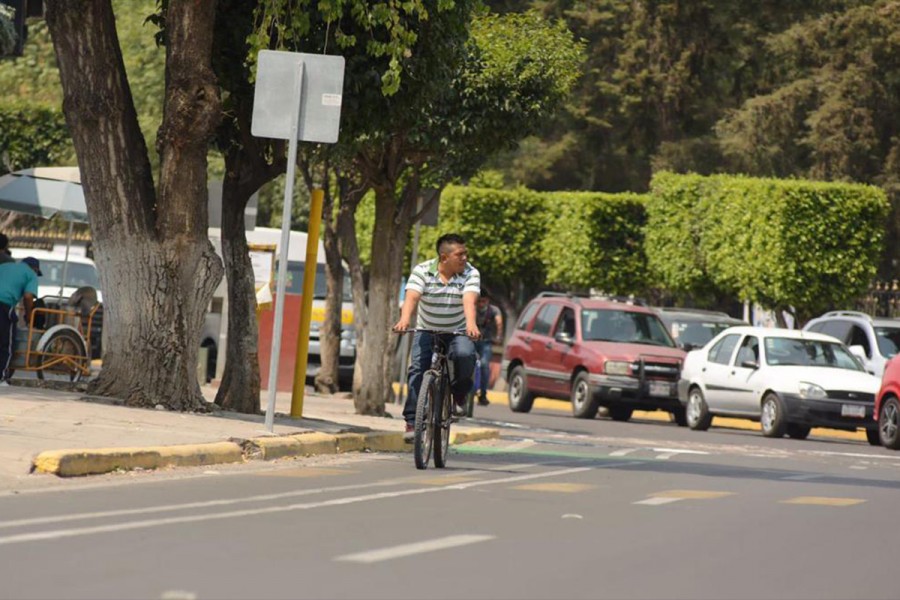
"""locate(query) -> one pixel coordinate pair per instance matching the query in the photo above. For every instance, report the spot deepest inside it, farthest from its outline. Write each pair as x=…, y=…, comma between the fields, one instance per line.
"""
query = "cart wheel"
x=63, y=343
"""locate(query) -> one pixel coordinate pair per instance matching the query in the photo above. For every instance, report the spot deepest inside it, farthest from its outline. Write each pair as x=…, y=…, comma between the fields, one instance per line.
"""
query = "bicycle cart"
x=56, y=342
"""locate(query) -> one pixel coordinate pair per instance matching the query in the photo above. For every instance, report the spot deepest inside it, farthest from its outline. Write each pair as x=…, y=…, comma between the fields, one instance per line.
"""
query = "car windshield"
x=695, y=333
x=809, y=353
x=888, y=340
x=624, y=326
x=77, y=275
x=295, y=281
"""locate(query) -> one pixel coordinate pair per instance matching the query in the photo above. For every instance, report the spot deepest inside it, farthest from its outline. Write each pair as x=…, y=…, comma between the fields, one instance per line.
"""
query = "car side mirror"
x=687, y=347
x=564, y=337
x=750, y=364
x=859, y=352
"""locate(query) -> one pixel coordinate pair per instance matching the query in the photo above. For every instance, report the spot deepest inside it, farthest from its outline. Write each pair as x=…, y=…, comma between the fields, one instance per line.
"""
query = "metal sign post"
x=312, y=114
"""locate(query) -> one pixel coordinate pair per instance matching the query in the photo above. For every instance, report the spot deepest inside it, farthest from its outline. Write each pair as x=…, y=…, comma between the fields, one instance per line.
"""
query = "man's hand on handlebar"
x=473, y=332
x=401, y=325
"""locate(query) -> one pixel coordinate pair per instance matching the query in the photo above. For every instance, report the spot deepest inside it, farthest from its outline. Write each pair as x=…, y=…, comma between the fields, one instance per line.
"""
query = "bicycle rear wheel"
x=424, y=427
x=442, y=427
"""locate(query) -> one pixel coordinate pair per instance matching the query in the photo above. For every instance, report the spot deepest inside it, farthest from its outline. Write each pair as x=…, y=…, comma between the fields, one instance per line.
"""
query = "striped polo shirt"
x=440, y=306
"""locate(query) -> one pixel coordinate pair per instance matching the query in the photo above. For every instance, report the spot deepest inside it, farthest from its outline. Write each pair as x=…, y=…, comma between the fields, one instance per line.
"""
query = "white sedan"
x=789, y=381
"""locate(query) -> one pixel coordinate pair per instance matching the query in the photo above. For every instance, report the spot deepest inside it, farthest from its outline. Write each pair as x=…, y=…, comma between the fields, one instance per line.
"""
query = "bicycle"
x=434, y=404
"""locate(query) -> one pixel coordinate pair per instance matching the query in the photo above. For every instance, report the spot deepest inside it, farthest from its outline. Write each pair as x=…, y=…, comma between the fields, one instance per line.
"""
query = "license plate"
x=853, y=410
x=660, y=388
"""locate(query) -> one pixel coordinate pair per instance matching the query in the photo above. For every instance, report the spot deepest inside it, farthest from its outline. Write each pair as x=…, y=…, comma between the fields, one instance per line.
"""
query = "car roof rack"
x=698, y=311
x=634, y=300
x=569, y=295
x=848, y=313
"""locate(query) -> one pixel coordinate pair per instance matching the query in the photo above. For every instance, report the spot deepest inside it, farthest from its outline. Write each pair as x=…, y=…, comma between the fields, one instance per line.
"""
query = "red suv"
x=887, y=406
x=610, y=353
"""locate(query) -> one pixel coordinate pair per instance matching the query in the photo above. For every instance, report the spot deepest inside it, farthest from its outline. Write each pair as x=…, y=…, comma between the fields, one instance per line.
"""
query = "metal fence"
x=881, y=300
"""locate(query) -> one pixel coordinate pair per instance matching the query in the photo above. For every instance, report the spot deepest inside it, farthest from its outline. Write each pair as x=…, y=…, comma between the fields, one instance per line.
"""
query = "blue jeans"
x=485, y=351
x=461, y=352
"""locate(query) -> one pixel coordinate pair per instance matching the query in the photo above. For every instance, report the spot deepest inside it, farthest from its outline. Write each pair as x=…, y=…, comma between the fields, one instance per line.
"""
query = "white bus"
x=296, y=263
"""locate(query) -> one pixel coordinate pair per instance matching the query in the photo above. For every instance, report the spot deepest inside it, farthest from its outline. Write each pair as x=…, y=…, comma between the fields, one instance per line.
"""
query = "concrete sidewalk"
x=44, y=430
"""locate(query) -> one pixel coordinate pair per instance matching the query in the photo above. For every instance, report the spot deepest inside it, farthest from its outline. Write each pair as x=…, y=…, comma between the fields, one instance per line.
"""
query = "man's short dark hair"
x=4, y=241
x=447, y=239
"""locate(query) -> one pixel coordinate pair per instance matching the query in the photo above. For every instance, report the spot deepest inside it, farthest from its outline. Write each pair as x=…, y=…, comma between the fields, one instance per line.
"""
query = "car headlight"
x=811, y=390
x=617, y=367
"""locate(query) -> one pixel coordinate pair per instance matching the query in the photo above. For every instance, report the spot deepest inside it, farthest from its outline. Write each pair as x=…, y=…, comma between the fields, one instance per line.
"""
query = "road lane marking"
x=624, y=452
x=565, y=488
x=823, y=501
x=692, y=494
x=850, y=454
x=657, y=501
x=80, y=531
x=304, y=472
x=806, y=477
x=453, y=541
x=444, y=480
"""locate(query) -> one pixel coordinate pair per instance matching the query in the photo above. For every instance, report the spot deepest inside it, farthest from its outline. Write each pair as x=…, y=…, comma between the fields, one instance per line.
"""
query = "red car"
x=887, y=406
x=594, y=353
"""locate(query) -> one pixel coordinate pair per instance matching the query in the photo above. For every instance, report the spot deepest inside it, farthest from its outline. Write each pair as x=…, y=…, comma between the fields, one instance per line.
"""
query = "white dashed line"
x=453, y=541
x=656, y=501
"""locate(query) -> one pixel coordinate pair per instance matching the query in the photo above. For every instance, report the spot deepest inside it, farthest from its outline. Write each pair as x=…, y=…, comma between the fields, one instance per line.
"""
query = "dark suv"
x=595, y=353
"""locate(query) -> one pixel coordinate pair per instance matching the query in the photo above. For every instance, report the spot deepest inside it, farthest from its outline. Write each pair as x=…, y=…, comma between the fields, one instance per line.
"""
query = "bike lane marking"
x=126, y=526
x=381, y=554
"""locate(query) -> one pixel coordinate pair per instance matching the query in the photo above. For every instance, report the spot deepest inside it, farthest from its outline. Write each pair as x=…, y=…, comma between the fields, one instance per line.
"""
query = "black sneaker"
x=410, y=433
x=482, y=400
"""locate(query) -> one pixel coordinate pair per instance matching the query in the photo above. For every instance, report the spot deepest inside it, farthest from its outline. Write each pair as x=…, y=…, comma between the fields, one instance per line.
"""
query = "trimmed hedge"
x=782, y=243
x=596, y=240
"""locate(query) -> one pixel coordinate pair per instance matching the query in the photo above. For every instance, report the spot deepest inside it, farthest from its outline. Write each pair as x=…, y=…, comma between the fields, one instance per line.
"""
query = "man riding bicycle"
x=445, y=291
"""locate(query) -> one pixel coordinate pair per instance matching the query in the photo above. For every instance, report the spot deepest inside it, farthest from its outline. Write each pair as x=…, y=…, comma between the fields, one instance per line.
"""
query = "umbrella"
x=46, y=192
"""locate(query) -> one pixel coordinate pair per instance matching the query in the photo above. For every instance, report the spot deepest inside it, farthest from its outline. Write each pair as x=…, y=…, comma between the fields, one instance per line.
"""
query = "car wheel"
x=873, y=437
x=773, y=418
x=584, y=403
x=697, y=412
x=520, y=399
x=620, y=413
x=889, y=424
x=798, y=432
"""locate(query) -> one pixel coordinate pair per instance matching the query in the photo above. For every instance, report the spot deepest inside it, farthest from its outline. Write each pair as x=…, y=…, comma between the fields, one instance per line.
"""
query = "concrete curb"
x=73, y=463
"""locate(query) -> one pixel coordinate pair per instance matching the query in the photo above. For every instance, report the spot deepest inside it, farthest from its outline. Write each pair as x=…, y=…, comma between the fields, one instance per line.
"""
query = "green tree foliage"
x=791, y=245
x=596, y=240
x=508, y=257
x=33, y=135
x=7, y=30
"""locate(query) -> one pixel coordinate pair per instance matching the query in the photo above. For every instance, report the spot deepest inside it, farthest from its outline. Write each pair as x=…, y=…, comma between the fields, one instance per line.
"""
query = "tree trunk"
x=157, y=267
x=330, y=332
x=239, y=389
x=374, y=359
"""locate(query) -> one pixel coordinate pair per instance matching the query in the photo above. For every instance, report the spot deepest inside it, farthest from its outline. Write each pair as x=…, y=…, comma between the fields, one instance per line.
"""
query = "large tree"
x=477, y=87
x=157, y=266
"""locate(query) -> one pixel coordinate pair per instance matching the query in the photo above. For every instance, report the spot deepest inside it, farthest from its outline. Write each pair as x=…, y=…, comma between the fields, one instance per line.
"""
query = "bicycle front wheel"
x=442, y=427
x=424, y=427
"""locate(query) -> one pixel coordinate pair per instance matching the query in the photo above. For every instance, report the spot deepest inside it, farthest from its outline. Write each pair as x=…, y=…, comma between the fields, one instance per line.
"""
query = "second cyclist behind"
x=445, y=290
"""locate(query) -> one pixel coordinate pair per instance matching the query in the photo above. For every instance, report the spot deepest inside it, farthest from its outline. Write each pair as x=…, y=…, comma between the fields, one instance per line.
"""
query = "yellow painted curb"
x=473, y=435
x=73, y=463
x=386, y=441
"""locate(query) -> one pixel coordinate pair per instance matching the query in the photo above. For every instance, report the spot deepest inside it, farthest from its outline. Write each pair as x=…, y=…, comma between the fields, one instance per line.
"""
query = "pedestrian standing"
x=18, y=282
x=490, y=324
x=5, y=255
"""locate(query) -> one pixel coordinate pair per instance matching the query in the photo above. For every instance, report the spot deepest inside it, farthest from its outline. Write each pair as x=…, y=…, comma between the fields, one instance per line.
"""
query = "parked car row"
x=619, y=354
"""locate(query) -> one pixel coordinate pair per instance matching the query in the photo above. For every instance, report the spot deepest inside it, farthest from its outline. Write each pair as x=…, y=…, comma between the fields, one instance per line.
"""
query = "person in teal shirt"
x=18, y=281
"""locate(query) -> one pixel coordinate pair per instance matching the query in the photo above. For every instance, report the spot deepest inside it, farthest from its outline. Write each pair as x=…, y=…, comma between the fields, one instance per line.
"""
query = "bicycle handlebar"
x=434, y=331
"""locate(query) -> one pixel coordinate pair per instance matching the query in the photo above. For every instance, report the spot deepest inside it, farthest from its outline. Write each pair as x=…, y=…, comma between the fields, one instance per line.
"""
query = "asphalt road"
x=558, y=508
